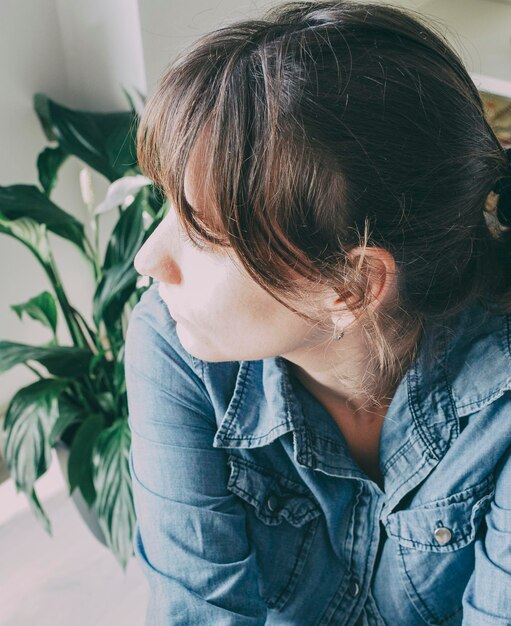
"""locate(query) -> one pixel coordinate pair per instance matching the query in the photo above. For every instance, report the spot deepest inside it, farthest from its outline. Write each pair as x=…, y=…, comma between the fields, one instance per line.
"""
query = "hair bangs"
x=170, y=125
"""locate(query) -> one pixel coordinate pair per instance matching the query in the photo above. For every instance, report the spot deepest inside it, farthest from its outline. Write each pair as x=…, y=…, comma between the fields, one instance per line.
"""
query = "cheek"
x=212, y=299
x=221, y=297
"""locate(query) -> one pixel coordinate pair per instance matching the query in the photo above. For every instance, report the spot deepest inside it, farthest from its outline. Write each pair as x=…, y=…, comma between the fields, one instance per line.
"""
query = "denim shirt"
x=251, y=510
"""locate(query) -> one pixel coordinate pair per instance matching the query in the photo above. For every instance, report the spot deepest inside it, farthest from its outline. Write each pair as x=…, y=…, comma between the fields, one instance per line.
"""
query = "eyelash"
x=193, y=243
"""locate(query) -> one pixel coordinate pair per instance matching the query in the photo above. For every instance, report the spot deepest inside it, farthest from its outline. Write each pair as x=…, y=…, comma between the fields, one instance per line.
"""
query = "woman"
x=319, y=378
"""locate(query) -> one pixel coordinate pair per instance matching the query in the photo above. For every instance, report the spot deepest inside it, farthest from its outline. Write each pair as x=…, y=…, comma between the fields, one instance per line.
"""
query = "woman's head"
x=335, y=140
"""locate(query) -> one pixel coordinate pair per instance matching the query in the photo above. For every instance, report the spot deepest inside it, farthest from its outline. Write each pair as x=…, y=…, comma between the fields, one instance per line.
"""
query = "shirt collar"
x=269, y=402
x=421, y=422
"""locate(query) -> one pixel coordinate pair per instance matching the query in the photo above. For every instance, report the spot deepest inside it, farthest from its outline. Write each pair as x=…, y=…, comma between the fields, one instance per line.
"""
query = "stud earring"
x=340, y=335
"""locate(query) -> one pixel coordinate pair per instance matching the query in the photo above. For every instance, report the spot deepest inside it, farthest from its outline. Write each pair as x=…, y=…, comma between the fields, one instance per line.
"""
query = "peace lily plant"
x=79, y=396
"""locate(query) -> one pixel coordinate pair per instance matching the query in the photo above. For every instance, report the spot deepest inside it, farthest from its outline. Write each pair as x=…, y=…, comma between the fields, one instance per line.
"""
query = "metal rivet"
x=443, y=535
x=354, y=588
x=272, y=502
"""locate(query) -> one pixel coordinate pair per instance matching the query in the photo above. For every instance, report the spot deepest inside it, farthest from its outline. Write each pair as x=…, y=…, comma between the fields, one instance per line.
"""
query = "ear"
x=379, y=267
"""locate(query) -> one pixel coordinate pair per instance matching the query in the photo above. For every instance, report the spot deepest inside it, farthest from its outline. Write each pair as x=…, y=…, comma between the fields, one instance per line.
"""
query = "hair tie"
x=503, y=189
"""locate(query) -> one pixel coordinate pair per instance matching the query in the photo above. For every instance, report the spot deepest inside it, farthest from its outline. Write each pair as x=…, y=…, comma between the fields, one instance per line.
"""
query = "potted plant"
x=78, y=404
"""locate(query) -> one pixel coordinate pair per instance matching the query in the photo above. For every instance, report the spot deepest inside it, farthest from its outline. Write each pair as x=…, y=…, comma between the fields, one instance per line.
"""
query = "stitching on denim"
x=249, y=497
x=453, y=546
x=332, y=608
x=302, y=553
x=408, y=480
x=417, y=596
x=287, y=391
x=437, y=619
x=375, y=528
x=197, y=366
x=301, y=491
x=477, y=489
x=481, y=497
x=257, y=437
x=429, y=441
x=494, y=394
x=401, y=452
x=260, y=506
x=418, y=416
x=352, y=470
x=335, y=444
x=227, y=426
x=240, y=462
x=455, y=420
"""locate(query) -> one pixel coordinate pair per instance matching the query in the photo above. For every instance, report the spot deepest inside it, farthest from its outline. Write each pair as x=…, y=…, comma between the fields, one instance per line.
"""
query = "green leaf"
x=28, y=201
x=69, y=413
x=30, y=233
x=41, y=308
x=42, y=109
x=119, y=275
x=114, y=498
x=106, y=401
x=113, y=291
x=64, y=361
x=39, y=512
x=127, y=235
x=49, y=162
x=80, y=457
x=105, y=141
x=30, y=416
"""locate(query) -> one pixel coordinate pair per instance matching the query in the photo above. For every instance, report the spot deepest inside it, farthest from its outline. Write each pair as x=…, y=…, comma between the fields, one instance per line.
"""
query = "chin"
x=199, y=351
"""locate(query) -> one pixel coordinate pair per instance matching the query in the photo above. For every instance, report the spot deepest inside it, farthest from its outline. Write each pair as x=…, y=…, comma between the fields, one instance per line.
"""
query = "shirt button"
x=354, y=588
x=443, y=535
x=272, y=502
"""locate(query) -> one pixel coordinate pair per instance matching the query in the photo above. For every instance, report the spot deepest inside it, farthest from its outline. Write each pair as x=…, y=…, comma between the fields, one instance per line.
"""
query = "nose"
x=155, y=259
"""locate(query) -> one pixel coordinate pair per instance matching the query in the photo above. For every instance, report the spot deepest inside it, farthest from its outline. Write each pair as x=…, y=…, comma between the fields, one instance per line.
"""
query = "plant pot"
x=88, y=514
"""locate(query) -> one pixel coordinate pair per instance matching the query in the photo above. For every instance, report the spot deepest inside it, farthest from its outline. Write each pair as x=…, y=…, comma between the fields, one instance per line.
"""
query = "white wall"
x=167, y=27
x=480, y=30
x=78, y=53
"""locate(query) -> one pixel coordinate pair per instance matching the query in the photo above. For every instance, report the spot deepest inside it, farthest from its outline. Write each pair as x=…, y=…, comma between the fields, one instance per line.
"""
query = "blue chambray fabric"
x=250, y=509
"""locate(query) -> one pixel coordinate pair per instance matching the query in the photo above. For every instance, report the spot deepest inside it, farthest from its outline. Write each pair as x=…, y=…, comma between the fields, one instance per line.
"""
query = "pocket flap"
x=273, y=496
x=442, y=525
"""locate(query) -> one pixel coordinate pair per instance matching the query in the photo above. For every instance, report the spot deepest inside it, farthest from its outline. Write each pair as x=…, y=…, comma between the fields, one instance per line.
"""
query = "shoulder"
x=478, y=359
x=461, y=400
x=151, y=332
x=153, y=350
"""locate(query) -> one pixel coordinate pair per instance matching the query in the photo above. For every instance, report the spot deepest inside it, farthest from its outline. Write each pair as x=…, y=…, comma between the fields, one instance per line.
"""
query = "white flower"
x=127, y=201
x=147, y=219
x=86, y=186
x=121, y=192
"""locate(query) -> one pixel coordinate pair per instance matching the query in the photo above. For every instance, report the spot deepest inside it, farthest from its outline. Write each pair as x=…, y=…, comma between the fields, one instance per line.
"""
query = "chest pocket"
x=435, y=550
x=282, y=518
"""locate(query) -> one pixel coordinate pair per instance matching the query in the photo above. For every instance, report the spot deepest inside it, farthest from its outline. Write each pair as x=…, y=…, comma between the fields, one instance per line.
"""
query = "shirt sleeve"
x=487, y=597
x=190, y=534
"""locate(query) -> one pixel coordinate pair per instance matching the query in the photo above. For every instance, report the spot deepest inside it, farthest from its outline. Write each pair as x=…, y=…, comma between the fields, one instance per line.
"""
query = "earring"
x=340, y=335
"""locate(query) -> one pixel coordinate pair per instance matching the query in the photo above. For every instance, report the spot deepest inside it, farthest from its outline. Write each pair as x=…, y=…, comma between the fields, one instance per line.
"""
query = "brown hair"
x=332, y=125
